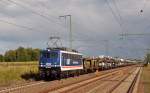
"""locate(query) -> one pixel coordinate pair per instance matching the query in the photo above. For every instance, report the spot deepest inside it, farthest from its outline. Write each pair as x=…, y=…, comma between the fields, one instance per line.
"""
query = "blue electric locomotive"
x=57, y=63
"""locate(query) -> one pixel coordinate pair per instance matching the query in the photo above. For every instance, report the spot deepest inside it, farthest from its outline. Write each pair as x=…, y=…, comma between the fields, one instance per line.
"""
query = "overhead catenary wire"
x=117, y=16
x=124, y=34
x=46, y=8
x=118, y=11
x=122, y=21
x=132, y=34
x=46, y=17
x=17, y=25
x=47, y=14
x=43, y=5
x=35, y=12
x=113, y=13
x=120, y=17
x=21, y=26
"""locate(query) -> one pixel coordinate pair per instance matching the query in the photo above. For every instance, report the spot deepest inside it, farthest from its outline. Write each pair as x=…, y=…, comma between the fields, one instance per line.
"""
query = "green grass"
x=10, y=74
x=146, y=79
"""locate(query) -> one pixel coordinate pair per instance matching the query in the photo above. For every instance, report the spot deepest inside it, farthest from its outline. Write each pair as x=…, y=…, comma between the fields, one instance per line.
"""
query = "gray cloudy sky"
x=93, y=22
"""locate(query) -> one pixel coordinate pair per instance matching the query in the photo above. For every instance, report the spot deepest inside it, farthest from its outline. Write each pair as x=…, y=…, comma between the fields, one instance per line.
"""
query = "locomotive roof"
x=70, y=52
x=62, y=48
x=64, y=51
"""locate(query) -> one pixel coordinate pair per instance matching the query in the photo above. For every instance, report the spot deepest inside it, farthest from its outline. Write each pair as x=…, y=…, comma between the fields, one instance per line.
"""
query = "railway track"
x=131, y=88
x=19, y=87
x=115, y=83
x=98, y=84
x=45, y=87
x=127, y=84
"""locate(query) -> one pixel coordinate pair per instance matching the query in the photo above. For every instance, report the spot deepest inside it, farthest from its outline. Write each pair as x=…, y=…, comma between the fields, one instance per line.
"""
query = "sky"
x=97, y=25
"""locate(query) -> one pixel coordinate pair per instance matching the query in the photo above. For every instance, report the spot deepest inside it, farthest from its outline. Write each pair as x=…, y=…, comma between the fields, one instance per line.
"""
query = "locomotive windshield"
x=49, y=58
x=52, y=55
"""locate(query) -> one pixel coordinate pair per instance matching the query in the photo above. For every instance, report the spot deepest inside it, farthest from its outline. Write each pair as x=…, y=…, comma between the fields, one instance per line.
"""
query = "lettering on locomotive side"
x=75, y=62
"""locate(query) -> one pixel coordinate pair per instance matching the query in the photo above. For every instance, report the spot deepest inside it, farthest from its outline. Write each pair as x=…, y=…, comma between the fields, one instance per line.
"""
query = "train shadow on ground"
x=31, y=76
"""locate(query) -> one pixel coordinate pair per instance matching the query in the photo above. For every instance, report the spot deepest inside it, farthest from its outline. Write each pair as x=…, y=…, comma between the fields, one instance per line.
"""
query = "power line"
x=135, y=34
x=33, y=11
x=36, y=13
x=118, y=11
x=44, y=5
x=17, y=25
x=113, y=13
x=120, y=19
x=47, y=14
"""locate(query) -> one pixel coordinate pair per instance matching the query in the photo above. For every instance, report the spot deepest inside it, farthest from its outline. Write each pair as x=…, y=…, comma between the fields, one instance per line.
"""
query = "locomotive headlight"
x=41, y=64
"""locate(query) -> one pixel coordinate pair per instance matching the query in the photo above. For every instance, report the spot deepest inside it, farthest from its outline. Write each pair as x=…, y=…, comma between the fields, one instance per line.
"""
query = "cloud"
x=92, y=23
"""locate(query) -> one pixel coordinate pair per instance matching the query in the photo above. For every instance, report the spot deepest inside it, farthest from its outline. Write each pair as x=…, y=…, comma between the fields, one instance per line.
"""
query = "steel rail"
x=131, y=88
x=114, y=87
x=79, y=84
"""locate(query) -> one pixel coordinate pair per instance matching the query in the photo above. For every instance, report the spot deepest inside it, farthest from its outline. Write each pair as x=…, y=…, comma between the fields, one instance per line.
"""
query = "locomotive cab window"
x=44, y=54
x=49, y=55
x=53, y=55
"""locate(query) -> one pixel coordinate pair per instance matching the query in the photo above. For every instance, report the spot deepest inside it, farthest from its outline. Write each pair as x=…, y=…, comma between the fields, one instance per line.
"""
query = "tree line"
x=20, y=54
x=147, y=58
